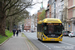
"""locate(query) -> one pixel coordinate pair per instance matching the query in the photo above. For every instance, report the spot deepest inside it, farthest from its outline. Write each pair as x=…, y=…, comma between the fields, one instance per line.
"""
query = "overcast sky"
x=36, y=7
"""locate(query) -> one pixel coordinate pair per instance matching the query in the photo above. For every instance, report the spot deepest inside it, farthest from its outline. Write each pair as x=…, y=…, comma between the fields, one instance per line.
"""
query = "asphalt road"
x=68, y=43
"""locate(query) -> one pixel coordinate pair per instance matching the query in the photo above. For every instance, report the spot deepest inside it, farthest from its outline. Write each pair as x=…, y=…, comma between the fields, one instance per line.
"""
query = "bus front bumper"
x=52, y=39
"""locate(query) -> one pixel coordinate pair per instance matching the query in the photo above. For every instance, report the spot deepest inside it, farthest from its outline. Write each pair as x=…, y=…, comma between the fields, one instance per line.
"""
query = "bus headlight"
x=43, y=36
x=60, y=37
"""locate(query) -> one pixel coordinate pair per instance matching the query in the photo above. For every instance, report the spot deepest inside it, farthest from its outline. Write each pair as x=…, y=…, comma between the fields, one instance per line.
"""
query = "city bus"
x=50, y=29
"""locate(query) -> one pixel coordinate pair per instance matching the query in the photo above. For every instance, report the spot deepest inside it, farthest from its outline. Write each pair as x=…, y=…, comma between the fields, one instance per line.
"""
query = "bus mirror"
x=62, y=27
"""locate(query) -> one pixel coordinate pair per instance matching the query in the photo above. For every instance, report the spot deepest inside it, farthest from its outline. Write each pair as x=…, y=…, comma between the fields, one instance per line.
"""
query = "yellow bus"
x=50, y=29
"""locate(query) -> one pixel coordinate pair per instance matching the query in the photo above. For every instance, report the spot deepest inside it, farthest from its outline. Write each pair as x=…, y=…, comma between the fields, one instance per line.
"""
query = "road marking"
x=27, y=45
x=31, y=45
x=43, y=44
x=46, y=46
x=68, y=43
x=64, y=47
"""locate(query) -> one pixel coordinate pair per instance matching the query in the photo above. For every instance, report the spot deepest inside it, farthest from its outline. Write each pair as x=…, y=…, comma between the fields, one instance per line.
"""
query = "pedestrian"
x=14, y=30
x=17, y=31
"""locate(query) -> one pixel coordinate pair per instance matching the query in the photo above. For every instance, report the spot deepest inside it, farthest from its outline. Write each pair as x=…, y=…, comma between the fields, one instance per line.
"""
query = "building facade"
x=48, y=11
x=59, y=9
x=50, y=2
x=65, y=11
x=71, y=15
x=65, y=15
x=52, y=9
x=27, y=24
x=34, y=22
x=39, y=13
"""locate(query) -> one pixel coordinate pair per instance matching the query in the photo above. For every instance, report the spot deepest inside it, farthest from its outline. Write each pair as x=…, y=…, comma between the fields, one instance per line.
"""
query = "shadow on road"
x=49, y=41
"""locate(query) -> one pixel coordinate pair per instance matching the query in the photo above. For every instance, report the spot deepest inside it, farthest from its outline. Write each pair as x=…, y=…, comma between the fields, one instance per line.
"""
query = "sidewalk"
x=18, y=43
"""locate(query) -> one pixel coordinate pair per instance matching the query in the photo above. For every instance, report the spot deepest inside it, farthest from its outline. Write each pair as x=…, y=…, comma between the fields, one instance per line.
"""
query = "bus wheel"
x=38, y=39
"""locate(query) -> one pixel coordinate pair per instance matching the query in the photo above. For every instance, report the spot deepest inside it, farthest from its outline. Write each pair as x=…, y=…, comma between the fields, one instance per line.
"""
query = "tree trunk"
x=2, y=26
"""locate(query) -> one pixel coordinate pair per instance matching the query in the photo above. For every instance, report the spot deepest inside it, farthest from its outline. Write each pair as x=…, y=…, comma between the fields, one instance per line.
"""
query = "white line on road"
x=46, y=46
x=68, y=43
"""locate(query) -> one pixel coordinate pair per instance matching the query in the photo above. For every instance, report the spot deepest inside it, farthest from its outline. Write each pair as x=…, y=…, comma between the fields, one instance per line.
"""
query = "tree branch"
x=22, y=9
x=36, y=3
x=7, y=4
x=17, y=12
x=12, y=5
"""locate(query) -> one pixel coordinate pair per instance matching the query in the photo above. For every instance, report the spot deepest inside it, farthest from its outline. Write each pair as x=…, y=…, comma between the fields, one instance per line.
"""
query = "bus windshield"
x=53, y=28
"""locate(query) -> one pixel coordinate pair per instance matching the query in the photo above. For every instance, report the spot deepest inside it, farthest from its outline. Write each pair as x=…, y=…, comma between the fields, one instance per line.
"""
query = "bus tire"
x=38, y=39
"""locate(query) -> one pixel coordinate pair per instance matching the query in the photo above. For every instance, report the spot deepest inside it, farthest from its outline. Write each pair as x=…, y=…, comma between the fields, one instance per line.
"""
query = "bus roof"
x=50, y=20
x=40, y=22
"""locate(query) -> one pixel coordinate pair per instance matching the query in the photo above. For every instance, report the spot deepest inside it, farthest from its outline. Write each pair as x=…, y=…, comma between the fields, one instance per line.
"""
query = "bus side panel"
x=38, y=35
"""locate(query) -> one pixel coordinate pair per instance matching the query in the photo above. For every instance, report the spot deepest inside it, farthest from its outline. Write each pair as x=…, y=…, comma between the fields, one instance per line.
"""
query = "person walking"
x=17, y=31
x=14, y=30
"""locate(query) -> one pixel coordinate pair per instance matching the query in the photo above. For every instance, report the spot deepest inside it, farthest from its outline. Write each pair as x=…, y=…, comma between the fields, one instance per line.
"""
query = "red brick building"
x=27, y=25
x=38, y=16
x=39, y=12
x=48, y=11
x=71, y=15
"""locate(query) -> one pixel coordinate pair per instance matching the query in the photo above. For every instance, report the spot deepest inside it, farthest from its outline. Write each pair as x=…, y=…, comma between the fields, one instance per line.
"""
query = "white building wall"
x=52, y=9
x=34, y=23
x=59, y=8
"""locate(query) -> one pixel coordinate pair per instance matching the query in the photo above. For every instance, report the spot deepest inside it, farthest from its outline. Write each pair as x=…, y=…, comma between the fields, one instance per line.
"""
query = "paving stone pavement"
x=17, y=43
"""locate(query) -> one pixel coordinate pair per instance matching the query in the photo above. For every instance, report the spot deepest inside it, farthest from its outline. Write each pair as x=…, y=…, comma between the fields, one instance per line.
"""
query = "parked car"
x=71, y=34
x=65, y=33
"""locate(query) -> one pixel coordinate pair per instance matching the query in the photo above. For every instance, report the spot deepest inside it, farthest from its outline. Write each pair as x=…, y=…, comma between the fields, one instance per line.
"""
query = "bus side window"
x=45, y=28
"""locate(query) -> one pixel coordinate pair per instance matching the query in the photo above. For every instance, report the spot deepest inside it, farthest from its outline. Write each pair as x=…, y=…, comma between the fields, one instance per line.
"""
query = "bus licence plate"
x=52, y=39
